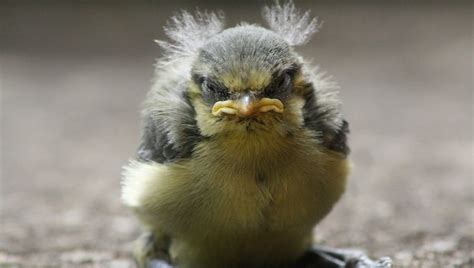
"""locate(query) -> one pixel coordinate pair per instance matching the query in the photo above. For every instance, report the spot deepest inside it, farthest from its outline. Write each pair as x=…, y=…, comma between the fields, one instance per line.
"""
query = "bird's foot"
x=319, y=257
x=325, y=257
x=149, y=247
x=365, y=262
x=156, y=263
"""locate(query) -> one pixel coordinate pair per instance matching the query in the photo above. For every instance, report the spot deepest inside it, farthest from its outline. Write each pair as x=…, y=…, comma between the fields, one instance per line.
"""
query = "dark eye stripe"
x=280, y=87
x=213, y=92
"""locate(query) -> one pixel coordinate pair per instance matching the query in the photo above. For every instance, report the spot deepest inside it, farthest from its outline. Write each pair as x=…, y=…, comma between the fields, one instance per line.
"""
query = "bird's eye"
x=285, y=81
x=214, y=90
x=280, y=87
x=209, y=86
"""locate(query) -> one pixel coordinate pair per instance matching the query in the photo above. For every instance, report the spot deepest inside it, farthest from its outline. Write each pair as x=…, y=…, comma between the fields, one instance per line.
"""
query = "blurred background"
x=73, y=75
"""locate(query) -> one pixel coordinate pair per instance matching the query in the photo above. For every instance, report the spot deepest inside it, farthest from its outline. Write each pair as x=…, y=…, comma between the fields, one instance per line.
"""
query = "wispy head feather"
x=188, y=33
x=287, y=21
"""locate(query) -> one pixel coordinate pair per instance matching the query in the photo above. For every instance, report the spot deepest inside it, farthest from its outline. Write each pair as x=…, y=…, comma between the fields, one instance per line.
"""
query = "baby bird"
x=243, y=151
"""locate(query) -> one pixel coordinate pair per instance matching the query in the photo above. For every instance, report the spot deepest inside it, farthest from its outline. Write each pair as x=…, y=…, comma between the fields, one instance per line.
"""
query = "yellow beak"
x=246, y=106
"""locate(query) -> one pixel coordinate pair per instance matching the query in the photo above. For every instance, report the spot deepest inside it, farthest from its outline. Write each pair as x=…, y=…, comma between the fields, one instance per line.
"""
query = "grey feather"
x=288, y=22
x=243, y=49
x=170, y=132
x=188, y=33
x=322, y=111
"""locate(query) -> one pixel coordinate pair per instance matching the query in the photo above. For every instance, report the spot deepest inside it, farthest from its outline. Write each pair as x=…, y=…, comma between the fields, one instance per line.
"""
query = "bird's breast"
x=269, y=182
x=258, y=196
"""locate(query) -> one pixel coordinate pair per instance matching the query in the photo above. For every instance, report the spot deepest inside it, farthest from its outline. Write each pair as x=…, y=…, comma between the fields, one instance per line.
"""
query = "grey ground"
x=72, y=78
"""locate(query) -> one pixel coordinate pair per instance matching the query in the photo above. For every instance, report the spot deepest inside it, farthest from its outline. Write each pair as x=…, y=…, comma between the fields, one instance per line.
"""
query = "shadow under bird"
x=243, y=151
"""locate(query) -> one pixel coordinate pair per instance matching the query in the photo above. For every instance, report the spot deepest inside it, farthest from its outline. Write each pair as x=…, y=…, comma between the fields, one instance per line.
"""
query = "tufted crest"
x=288, y=22
x=188, y=33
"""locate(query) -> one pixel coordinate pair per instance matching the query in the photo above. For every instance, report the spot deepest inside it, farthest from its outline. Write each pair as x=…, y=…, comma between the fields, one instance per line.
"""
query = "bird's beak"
x=247, y=106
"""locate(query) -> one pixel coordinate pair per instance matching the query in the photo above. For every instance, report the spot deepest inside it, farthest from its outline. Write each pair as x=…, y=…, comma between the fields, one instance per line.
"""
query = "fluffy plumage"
x=188, y=34
x=232, y=191
x=288, y=22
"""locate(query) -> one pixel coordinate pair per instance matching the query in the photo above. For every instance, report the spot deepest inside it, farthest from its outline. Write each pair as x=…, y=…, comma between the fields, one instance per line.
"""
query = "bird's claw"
x=160, y=264
x=320, y=257
x=326, y=257
x=365, y=262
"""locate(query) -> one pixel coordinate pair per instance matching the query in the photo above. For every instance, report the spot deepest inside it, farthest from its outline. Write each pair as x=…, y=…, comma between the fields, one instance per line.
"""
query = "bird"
x=244, y=147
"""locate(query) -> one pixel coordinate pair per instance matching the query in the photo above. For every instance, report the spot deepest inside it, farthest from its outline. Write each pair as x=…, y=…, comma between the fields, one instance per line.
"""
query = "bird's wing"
x=170, y=131
x=322, y=115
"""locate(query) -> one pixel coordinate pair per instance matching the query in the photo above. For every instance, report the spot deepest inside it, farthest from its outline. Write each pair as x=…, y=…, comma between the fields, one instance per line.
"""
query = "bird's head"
x=244, y=79
x=247, y=78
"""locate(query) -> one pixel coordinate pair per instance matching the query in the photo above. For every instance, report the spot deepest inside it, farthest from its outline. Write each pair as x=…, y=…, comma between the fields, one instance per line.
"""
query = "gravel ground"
x=73, y=76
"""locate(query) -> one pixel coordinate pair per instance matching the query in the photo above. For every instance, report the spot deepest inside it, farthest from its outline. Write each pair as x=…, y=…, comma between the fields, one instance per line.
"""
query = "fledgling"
x=243, y=151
